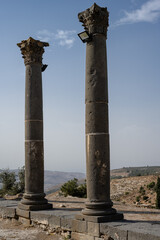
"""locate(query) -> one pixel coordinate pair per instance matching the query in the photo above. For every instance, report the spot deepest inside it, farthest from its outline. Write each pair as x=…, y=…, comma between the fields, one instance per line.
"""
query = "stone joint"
x=95, y=19
x=32, y=50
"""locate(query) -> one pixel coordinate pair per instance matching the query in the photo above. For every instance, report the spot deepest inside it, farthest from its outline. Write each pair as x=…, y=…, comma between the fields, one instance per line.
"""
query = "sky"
x=133, y=53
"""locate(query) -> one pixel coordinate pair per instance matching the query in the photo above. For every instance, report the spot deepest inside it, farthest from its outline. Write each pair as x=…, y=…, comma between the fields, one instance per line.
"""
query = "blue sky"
x=133, y=74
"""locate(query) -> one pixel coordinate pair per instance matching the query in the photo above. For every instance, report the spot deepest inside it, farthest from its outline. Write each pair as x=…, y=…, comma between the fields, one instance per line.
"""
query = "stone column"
x=95, y=22
x=34, y=196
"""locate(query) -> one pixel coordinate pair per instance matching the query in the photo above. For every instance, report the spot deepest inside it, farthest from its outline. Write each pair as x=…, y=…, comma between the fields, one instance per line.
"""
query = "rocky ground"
x=134, y=190
x=127, y=190
x=10, y=230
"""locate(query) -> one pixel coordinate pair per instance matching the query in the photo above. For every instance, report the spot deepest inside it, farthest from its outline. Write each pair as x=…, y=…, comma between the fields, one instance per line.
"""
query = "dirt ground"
x=13, y=230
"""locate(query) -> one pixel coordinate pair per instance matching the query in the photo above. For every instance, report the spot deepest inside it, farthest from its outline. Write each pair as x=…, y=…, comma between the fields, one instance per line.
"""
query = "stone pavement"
x=139, y=223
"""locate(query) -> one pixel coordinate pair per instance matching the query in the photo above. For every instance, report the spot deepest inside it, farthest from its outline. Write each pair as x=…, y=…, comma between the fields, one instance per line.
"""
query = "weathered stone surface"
x=114, y=232
x=94, y=229
x=80, y=236
x=79, y=226
x=28, y=205
x=66, y=223
x=22, y=213
x=100, y=219
x=34, y=167
x=96, y=118
x=96, y=86
x=33, y=93
x=54, y=221
x=25, y=221
x=8, y=212
x=141, y=236
x=34, y=130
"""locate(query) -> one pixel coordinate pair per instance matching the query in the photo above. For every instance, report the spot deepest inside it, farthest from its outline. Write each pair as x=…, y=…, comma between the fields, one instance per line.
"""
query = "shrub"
x=71, y=188
x=151, y=185
x=142, y=190
x=82, y=190
x=158, y=193
x=126, y=193
x=138, y=198
x=145, y=197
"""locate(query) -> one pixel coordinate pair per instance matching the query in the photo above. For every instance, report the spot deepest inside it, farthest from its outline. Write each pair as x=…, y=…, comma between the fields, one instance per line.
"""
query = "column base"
x=99, y=212
x=35, y=207
x=100, y=219
x=34, y=202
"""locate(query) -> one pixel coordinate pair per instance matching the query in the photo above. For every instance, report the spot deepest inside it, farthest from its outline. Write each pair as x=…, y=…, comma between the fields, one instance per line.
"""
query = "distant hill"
x=54, y=178
x=135, y=171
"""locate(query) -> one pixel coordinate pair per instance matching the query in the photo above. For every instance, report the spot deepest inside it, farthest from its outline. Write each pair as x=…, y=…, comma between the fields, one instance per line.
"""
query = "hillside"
x=135, y=190
x=135, y=171
x=138, y=191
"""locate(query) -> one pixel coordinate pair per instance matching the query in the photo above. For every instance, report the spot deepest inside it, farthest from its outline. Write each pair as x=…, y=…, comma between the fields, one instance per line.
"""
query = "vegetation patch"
x=73, y=189
x=10, y=184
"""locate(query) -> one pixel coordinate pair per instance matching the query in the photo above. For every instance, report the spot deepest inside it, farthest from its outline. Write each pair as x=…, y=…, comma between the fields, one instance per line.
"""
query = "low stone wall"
x=64, y=222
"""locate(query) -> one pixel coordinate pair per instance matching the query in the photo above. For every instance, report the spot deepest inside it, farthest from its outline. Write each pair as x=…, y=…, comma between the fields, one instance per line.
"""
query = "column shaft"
x=34, y=156
x=97, y=127
x=95, y=22
x=34, y=196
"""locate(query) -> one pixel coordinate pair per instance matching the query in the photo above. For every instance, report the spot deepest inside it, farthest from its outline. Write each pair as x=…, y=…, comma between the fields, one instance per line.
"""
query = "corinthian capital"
x=95, y=19
x=32, y=50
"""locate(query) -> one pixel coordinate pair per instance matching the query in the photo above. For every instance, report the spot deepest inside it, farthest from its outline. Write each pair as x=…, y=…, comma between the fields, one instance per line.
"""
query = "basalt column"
x=95, y=22
x=34, y=196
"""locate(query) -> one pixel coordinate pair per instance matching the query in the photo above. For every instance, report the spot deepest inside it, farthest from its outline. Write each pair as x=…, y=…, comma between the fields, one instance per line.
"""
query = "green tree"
x=9, y=184
x=158, y=193
x=82, y=190
x=8, y=180
x=151, y=185
x=71, y=188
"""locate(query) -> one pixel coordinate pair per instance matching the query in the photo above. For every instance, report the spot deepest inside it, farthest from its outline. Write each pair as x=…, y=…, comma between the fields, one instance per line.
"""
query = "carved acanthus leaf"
x=95, y=19
x=32, y=50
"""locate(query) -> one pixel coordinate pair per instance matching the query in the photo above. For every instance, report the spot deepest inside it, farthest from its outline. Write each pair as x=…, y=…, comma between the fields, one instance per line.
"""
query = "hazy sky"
x=133, y=72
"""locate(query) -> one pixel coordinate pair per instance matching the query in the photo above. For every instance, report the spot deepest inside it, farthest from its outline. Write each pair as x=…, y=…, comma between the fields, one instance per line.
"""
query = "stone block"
x=26, y=222
x=80, y=236
x=94, y=229
x=66, y=223
x=39, y=217
x=54, y=221
x=7, y=212
x=114, y=232
x=79, y=226
x=22, y=213
x=141, y=236
x=100, y=219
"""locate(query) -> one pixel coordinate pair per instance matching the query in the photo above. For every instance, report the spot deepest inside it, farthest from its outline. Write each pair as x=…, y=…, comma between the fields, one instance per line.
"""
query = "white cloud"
x=148, y=12
x=65, y=38
x=62, y=37
x=45, y=35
